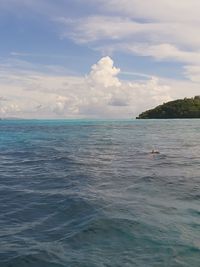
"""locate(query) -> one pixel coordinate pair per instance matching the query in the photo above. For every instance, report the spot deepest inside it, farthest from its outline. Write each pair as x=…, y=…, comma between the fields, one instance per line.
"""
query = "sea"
x=89, y=193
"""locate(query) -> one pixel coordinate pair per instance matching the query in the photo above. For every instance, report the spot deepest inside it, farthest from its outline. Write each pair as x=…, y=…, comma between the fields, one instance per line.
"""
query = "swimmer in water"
x=155, y=152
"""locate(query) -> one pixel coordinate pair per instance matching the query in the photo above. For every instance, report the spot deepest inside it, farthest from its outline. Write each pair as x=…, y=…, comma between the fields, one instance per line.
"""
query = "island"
x=186, y=108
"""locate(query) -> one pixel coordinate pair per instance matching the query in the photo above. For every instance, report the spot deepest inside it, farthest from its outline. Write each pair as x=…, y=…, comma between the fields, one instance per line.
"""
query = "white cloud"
x=11, y=108
x=125, y=29
x=104, y=73
x=164, y=30
x=165, y=10
x=193, y=73
x=99, y=94
x=94, y=28
x=162, y=52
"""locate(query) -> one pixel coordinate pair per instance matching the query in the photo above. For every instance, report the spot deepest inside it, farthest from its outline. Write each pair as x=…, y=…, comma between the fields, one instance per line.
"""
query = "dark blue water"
x=86, y=193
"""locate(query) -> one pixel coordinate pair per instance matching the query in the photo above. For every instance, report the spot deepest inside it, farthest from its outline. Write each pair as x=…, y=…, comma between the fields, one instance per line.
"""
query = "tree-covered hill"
x=181, y=108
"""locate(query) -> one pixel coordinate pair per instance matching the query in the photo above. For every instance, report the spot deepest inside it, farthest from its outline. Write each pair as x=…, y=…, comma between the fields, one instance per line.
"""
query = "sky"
x=96, y=58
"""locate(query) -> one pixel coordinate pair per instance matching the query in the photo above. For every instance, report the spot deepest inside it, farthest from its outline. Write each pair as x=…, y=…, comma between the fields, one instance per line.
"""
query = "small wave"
x=30, y=261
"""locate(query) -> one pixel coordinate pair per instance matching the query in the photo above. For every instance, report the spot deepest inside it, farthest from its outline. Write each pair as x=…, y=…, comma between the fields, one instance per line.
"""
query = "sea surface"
x=90, y=194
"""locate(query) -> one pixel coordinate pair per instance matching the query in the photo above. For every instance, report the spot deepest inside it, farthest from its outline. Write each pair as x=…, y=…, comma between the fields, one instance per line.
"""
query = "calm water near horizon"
x=81, y=193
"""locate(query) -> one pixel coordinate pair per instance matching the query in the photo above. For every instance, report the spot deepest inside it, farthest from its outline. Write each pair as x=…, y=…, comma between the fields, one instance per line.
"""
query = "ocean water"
x=89, y=193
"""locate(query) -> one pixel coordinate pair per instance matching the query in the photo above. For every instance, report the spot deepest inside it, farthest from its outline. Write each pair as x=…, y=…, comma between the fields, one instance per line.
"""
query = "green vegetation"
x=180, y=109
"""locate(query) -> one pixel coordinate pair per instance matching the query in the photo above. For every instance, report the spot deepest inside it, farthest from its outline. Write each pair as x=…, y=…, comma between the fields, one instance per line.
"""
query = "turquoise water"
x=89, y=193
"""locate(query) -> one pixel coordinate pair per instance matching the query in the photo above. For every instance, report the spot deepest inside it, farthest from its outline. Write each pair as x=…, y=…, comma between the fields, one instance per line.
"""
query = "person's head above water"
x=155, y=152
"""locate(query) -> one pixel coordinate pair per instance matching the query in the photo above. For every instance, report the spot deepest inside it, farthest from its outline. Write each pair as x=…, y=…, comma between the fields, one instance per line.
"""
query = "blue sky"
x=113, y=58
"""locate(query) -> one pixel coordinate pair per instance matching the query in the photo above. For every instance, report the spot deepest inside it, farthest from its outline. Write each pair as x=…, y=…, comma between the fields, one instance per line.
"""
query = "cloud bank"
x=100, y=94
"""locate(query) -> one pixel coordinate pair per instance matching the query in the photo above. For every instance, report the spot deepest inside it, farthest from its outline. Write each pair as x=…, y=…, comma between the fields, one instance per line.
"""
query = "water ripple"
x=86, y=193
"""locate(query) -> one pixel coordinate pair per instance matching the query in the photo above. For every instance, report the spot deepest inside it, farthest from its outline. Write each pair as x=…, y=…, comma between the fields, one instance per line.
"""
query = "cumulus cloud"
x=164, y=30
x=11, y=109
x=100, y=94
x=104, y=73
